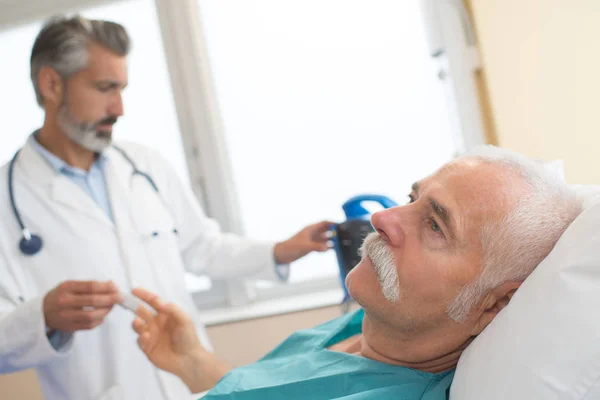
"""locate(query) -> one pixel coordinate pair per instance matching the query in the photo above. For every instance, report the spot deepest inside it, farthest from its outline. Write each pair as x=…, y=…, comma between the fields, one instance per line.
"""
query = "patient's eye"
x=411, y=199
x=435, y=227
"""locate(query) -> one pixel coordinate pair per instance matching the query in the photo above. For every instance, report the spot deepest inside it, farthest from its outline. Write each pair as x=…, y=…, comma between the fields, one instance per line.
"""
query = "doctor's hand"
x=314, y=237
x=79, y=305
x=169, y=340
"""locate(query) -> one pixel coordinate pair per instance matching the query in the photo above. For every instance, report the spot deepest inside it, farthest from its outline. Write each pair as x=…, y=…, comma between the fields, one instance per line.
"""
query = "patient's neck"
x=434, y=351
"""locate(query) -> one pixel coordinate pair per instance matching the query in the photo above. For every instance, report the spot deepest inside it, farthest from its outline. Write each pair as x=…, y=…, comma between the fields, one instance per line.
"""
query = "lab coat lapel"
x=59, y=187
x=118, y=176
x=70, y=195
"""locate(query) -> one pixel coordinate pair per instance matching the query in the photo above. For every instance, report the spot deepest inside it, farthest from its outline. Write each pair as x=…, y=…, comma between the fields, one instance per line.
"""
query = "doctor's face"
x=92, y=101
x=422, y=254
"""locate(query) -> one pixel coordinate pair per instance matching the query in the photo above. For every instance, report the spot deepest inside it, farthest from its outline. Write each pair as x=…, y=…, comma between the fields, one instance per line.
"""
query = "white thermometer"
x=130, y=302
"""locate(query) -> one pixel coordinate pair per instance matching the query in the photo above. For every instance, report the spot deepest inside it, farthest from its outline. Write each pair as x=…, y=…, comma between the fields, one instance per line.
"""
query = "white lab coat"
x=82, y=243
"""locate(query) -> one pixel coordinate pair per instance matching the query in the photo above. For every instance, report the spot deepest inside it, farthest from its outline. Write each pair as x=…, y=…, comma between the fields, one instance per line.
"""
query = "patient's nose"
x=388, y=223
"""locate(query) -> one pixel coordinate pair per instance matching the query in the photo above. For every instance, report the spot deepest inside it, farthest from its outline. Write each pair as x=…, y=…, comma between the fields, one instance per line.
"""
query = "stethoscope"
x=31, y=244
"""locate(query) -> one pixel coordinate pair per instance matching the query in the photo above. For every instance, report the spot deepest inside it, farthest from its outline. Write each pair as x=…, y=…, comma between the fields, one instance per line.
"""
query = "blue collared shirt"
x=93, y=182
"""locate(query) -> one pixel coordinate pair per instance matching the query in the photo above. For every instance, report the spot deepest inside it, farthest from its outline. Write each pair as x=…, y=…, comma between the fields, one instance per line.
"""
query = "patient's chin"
x=355, y=273
x=362, y=282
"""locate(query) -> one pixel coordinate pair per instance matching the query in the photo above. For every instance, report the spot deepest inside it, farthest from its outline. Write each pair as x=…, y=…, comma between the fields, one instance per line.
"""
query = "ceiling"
x=17, y=12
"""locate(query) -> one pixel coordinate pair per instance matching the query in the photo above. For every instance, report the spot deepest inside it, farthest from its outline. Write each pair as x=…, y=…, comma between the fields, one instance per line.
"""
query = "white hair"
x=515, y=245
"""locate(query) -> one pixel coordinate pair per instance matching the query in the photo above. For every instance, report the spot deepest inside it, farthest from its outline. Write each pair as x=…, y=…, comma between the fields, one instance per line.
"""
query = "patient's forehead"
x=475, y=192
x=477, y=181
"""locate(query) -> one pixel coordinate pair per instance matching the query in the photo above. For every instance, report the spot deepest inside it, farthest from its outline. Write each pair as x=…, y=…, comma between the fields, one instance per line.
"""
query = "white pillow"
x=546, y=343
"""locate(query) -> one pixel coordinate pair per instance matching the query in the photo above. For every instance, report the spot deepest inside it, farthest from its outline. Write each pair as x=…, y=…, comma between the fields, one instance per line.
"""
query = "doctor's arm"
x=35, y=331
x=23, y=340
x=168, y=338
x=208, y=250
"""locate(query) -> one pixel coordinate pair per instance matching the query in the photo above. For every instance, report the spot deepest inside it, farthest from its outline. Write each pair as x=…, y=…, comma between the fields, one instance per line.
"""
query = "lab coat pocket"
x=156, y=228
x=116, y=392
x=158, y=239
x=149, y=212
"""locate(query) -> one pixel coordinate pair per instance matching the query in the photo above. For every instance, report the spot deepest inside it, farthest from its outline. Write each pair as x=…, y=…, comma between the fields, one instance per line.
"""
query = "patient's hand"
x=170, y=342
x=167, y=338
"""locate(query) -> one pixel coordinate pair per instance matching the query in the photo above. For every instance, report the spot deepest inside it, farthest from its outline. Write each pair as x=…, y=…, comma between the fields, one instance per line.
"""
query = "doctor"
x=84, y=219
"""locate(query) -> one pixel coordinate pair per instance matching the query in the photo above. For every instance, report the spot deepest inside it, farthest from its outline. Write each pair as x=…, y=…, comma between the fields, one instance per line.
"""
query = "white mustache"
x=382, y=258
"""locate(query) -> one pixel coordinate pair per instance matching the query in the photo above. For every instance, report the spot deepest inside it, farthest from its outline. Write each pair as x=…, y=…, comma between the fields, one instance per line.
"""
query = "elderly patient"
x=434, y=274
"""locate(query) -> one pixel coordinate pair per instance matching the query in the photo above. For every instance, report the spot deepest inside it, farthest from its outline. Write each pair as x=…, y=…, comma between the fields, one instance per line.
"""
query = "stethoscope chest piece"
x=30, y=244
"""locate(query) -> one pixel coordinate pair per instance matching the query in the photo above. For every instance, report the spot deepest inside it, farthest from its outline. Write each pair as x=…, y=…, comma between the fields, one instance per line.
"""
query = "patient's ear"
x=493, y=302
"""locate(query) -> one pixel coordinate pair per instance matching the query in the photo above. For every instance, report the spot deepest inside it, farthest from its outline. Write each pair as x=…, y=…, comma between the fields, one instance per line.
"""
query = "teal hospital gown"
x=302, y=368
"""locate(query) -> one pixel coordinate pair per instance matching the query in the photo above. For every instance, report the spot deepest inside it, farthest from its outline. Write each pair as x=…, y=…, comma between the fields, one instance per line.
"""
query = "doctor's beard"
x=84, y=133
x=375, y=247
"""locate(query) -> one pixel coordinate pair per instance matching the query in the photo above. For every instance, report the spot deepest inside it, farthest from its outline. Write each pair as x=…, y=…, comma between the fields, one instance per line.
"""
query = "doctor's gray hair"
x=63, y=45
x=514, y=246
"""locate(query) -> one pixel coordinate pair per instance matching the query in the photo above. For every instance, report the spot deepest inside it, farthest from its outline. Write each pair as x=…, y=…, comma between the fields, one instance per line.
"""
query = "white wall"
x=542, y=65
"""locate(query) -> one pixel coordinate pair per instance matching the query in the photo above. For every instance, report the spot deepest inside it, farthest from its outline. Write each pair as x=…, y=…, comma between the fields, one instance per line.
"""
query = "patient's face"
x=424, y=252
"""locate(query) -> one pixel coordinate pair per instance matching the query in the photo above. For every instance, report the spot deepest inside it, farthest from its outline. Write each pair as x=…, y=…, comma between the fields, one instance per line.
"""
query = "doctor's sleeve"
x=23, y=340
x=207, y=250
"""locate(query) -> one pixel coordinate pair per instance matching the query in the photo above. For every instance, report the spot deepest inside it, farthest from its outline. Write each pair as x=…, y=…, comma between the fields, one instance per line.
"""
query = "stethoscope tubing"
x=31, y=244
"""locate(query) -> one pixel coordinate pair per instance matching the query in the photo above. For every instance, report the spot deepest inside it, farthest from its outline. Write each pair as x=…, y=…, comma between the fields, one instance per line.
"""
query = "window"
x=20, y=113
x=322, y=100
